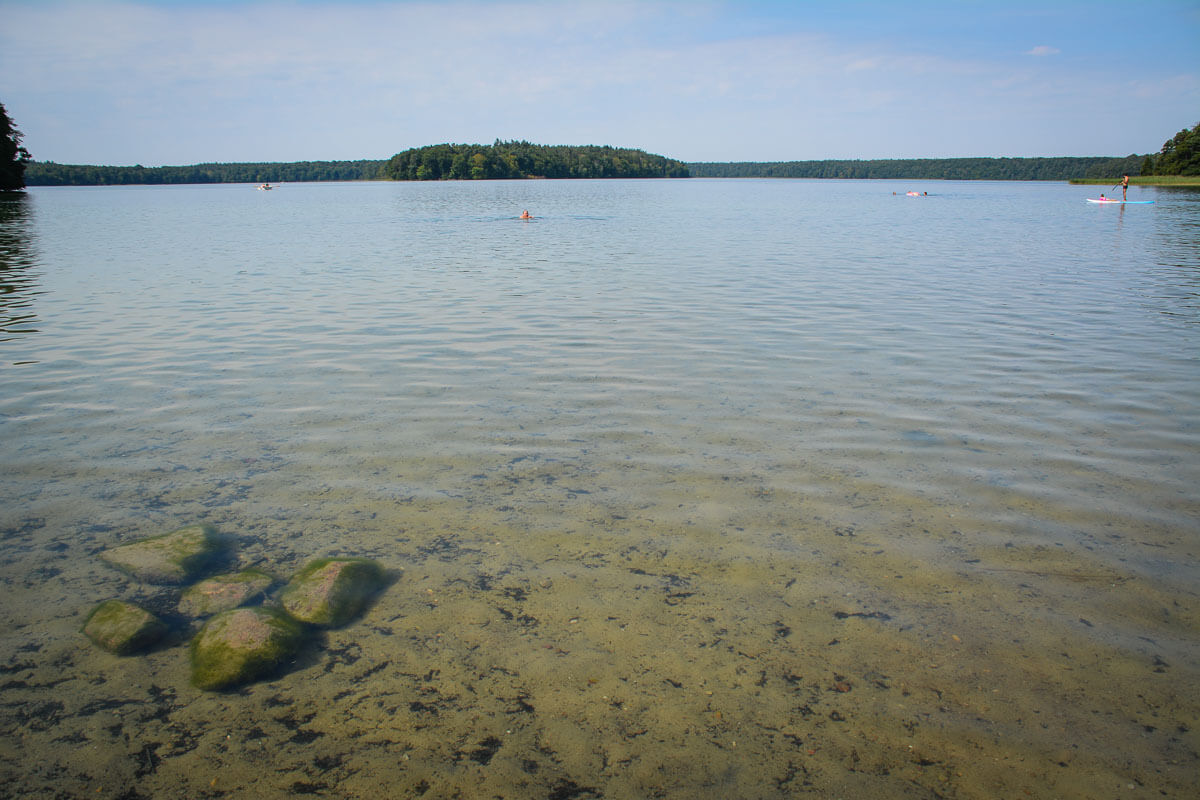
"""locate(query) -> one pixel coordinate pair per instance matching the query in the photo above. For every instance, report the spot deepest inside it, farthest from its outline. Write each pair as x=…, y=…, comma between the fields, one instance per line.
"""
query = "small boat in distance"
x=266, y=187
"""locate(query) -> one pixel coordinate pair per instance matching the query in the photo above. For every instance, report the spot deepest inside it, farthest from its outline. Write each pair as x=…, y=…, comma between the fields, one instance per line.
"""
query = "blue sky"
x=231, y=80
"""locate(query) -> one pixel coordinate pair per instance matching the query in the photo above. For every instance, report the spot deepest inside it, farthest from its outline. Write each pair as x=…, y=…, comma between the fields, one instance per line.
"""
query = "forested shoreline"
x=48, y=173
x=976, y=169
x=1180, y=156
x=521, y=160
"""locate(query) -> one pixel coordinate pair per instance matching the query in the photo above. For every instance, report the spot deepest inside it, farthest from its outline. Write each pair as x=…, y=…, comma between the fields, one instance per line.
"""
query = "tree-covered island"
x=525, y=160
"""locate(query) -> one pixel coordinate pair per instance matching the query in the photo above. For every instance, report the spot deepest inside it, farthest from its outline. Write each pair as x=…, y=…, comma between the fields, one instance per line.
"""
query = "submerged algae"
x=330, y=592
x=242, y=645
x=172, y=558
x=123, y=628
x=224, y=592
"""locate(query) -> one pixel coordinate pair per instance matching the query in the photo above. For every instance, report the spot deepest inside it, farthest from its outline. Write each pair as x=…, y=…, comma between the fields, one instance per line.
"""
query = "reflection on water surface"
x=18, y=283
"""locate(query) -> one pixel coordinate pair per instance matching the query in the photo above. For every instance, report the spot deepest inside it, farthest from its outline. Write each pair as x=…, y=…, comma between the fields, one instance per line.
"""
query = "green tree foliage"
x=13, y=157
x=1180, y=155
x=1116, y=167
x=978, y=169
x=525, y=160
x=48, y=173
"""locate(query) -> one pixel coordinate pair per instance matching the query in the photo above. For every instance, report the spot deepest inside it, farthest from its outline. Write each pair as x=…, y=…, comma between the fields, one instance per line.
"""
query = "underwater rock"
x=332, y=591
x=242, y=645
x=171, y=558
x=224, y=592
x=123, y=628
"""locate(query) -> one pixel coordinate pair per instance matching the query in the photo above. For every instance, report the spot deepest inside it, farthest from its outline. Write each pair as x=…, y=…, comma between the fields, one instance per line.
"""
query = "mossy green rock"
x=239, y=646
x=224, y=592
x=172, y=558
x=332, y=591
x=123, y=628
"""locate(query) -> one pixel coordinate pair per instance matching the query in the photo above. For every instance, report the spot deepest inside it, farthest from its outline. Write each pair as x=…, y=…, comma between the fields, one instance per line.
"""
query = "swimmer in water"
x=525, y=214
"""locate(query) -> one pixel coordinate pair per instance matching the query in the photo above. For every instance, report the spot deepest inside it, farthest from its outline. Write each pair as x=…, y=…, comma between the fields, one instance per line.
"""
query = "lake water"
x=690, y=489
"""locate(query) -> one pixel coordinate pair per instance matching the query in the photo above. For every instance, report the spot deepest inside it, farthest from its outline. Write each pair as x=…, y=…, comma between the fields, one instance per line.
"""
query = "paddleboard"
x=1122, y=202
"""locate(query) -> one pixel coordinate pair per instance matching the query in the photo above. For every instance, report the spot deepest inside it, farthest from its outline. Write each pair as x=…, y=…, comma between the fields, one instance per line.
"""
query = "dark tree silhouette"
x=13, y=157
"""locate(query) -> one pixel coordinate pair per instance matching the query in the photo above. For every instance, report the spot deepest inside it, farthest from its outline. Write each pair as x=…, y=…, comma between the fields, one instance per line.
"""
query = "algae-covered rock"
x=123, y=628
x=242, y=645
x=171, y=558
x=331, y=591
x=224, y=592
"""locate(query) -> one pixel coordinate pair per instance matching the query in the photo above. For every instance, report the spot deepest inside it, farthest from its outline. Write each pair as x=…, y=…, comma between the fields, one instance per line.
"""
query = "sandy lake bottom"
x=733, y=639
x=685, y=490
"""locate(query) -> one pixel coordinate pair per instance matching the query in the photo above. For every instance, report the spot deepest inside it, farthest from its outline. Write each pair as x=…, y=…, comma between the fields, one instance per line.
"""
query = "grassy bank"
x=1146, y=180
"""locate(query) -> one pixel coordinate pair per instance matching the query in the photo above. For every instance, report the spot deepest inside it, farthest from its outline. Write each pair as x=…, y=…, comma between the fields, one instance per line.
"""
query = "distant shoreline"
x=1076, y=170
x=1064, y=168
x=49, y=173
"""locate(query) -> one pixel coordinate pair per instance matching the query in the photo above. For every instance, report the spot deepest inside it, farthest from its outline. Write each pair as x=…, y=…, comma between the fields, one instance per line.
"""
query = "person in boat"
x=526, y=215
x=1124, y=186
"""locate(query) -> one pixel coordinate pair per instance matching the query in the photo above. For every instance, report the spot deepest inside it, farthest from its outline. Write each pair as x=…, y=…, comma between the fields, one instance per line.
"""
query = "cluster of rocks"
x=242, y=639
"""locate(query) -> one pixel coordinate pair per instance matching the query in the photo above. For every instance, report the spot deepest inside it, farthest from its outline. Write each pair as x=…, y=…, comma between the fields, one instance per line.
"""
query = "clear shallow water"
x=703, y=488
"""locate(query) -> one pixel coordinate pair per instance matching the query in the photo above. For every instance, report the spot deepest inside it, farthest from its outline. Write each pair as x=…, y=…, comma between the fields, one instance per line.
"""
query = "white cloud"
x=865, y=64
x=1043, y=50
x=126, y=82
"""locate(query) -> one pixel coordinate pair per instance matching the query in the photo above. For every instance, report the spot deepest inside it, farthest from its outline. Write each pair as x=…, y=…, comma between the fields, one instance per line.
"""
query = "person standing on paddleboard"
x=1124, y=186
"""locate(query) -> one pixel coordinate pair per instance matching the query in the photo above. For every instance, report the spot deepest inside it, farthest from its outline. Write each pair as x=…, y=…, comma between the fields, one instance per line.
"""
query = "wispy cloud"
x=117, y=82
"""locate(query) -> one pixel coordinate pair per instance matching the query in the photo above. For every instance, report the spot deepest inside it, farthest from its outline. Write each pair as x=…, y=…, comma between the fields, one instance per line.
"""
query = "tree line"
x=1180, y=155
x=14, y=159
x=525, y=160
x=434, y=162
x=48, y=173
x=966, y=169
